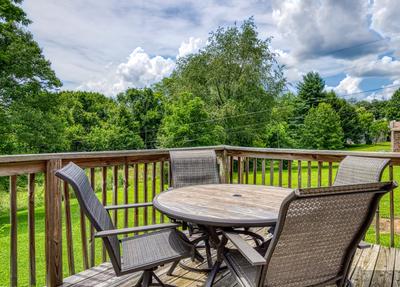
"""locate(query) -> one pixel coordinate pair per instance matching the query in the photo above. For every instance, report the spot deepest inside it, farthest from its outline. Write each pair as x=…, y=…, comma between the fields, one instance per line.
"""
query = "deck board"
x=375, y=266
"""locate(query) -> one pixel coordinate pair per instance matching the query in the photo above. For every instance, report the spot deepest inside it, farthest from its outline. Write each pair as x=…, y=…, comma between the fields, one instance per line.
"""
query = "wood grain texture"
x=145, y=193
x=153, y=190
x=391, y=208
x=104, y=202
x=53, y=224
x=126, y=187
x=92, y=240
x=115, y=193
x=320, y=165
x=31, y=227
x=299, y=175
x=13, y=232
x=68, y=230
x=254, y=171
x=223, y=204
x=162, y=185
x=271, y=172
x=289, y=173
x=309, y=173
x=136, y=194
x=263, y=171
x=85, y=259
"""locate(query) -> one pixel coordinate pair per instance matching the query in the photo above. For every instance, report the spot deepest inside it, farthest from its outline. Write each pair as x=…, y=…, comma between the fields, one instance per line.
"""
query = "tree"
x=28, y=108
x=311, y=90
x=348, y=117
x=95, y=122
x=379, y=130
x=366, y=120
x=187, y=122
x=147, y=109
x=322, y=128
x=393, y=107
x=237, y=75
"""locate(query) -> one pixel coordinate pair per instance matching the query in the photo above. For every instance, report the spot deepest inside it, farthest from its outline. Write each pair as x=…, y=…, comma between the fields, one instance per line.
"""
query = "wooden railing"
x=137, y=176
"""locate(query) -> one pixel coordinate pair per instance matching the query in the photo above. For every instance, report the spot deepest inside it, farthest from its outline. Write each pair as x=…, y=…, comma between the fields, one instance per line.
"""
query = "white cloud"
x=348, y=85
x=140, y=70
x=370, y=66
x=191, y=46
x=385, y=17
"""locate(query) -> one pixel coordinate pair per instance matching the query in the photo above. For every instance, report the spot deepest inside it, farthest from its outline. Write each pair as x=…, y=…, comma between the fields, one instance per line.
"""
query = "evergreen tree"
x=322, y=128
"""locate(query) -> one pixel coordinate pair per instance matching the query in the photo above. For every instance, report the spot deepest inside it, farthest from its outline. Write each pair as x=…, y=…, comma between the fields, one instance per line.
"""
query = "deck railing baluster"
x=13, y=232
x=126, y=187
x=92, y=240
x=31, y=227
x=104, y=201
x=68, y=230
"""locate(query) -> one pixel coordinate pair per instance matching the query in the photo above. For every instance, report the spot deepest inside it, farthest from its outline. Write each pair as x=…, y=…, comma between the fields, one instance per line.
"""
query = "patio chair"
x=356, y=169
x=315, y=239
x=143, y=252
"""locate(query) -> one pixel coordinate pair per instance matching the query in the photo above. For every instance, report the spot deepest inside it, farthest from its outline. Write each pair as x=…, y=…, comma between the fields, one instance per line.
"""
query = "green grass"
x=22, y=217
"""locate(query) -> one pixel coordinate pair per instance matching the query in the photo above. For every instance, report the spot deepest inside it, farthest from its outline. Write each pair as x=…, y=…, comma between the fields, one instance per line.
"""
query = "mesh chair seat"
x=154, y=248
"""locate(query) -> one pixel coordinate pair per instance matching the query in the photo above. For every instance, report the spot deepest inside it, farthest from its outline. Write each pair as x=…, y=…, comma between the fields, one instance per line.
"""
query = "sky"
x=108, y=46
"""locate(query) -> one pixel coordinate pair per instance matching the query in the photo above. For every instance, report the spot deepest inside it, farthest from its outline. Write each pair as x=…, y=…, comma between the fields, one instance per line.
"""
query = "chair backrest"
x=193, y=167
x=356, y=169
x=317, y=234
x=93, y=209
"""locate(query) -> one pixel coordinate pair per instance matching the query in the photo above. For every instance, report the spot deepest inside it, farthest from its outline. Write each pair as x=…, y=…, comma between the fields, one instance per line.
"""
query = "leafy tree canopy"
x=237, y=75
x=322, y=128
x=187, y=122
x=147, y=109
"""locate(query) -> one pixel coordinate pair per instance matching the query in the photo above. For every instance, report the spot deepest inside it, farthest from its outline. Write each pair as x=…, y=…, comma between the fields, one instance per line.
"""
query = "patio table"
x=223, y=206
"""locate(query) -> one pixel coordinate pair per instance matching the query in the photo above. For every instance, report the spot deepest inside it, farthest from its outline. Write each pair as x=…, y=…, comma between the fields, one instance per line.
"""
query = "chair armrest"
x=127, y=230
x=126, y=206
x=246, y=249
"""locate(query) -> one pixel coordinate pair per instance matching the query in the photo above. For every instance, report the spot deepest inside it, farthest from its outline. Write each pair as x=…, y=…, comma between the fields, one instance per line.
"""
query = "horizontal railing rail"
x=137, y=176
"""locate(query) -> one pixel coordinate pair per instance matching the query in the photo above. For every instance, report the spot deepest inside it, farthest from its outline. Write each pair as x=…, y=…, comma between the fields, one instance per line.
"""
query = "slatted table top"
x=223, y=205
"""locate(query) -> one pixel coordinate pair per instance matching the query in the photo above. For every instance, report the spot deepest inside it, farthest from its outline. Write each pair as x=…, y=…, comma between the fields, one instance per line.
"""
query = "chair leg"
x=172, y=268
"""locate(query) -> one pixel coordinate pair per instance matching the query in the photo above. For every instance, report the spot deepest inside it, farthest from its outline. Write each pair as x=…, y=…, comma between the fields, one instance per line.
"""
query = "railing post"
x=224, y=168
x=54, y=274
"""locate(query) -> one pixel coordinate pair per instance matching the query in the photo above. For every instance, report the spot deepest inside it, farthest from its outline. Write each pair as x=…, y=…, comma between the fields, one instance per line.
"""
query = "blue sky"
x=109, y=45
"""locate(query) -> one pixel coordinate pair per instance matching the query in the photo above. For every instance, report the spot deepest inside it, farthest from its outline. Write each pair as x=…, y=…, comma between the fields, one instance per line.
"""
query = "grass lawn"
x=23, y=248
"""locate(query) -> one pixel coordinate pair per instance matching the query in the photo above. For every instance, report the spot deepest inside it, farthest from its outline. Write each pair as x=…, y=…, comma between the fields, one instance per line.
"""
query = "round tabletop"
x=223, y=205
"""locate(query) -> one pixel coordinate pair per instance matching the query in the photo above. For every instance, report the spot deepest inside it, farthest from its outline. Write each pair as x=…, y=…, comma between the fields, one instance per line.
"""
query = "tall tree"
x=393, y=107
x=147, y=108
x=366, y=121
x=238, y=77
x=311, y=90
x=187, y=122
x=349, y=119
x=322, y=128
x=26, y=79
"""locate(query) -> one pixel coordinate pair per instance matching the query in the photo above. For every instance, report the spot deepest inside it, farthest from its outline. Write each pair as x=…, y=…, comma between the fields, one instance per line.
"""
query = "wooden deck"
x=375, y=266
